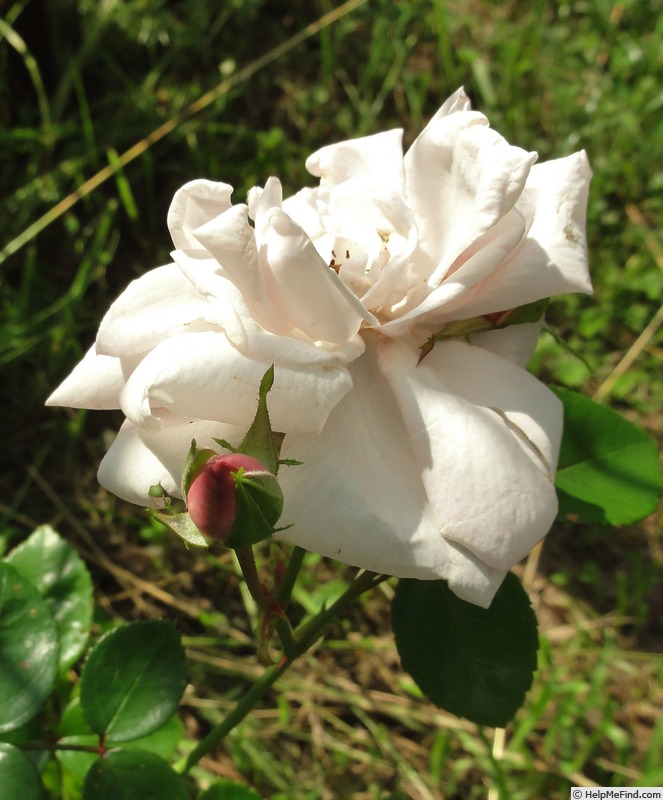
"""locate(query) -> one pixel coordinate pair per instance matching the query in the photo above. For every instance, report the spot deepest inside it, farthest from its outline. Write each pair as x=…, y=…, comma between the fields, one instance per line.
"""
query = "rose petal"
x=304, y=287
x=288, y=288
x=159, y=303
x=461, y=178
x=448, y=300
x=383, y=522
x=194, y=204
x=95, y=383
x=358, y=496
x=485, y=435
x=231, y=241
x=377, y=157
x=202, y=376
x=139, y=458
x=261, y=201
x=302, y=208
x=458, y=101
x=360, y=200
x=552, y=258
x=471, y=578
x=515, y=343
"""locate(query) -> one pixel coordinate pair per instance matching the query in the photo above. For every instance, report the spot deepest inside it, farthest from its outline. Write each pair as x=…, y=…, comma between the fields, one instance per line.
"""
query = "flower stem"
x=284, y=589
x=308, y=633
x=247, y=564
x=305, y=636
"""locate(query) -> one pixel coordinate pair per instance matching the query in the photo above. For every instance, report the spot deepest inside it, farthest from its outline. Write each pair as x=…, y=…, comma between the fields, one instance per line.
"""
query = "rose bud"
x=235, y=499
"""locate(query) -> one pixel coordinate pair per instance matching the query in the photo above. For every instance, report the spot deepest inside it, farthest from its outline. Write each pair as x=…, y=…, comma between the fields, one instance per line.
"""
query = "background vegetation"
x=86, y=80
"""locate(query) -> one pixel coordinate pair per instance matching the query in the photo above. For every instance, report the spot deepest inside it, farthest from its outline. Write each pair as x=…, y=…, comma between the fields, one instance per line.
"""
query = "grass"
x=85, y=82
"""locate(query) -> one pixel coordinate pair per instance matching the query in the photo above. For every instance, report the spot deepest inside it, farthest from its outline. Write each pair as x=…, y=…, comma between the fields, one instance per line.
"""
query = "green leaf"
x=228, y=790
x=18, y=775
x=475, y=662
x=58, y=572
x=73, y=729
x=28, y=649
x=132, y=775
x=609, y=469
x=133, y=679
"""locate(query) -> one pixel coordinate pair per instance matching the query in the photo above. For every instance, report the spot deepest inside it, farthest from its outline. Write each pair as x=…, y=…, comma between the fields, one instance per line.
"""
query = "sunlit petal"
x=461, y=178
x=95, y=382
x=552, y=258
x=194, y=204
x=140, y=458
x=159, y=303
x=485, y=435
x=202, y=376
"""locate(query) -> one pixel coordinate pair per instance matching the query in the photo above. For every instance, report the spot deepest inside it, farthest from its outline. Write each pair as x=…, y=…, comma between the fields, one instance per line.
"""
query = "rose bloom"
x=431, y=467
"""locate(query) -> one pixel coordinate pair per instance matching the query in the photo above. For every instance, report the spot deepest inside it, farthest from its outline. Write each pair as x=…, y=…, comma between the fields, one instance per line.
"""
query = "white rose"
x=433, y=467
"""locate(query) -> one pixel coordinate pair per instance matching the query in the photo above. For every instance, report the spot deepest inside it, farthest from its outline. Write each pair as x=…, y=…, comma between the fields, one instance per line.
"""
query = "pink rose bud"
x=235, y=499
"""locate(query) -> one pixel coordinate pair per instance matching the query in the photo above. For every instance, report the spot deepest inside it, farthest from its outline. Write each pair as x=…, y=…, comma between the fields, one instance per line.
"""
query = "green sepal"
x=180, y=524
x=260, y=442
x=462, y=327
x=226, y=445
x=529, y=312
x=259, y=506
x=171, y=505
x=195, y=461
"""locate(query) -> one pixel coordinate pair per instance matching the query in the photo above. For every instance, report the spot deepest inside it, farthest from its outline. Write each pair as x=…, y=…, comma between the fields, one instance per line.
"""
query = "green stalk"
x=247, y=563
x=284, y=589
x=305, y=636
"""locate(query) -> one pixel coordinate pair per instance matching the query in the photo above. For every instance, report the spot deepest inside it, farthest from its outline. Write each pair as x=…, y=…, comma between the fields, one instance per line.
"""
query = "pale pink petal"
x=358, y=496
x=552, y=259
x=287, y=287
x=378, y=157
x=248, y=326
x=448, y=300
x=461, y=178
x=515, y=342
x=302, y=208
x=304, y=288
x=159, y=303
x=202, y=376
x=392, y=283
x=194, y=204
x=231, y=242
x=458, y=101
x=359, y=201
x=227, y=304
x=256, y=343
x=139, y=458
x=261, y=201
x=471, y=578
x=485, y=435
x=95, y=383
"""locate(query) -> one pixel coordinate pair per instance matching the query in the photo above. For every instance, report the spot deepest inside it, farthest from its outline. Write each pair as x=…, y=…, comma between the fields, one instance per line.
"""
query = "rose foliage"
x=399, y=302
